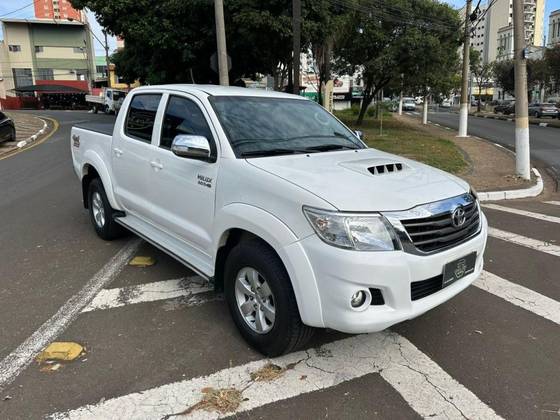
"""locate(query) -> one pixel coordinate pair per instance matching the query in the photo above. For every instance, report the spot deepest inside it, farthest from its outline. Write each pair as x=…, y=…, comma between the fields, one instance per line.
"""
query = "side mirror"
x=359, y=134
x=191, y=146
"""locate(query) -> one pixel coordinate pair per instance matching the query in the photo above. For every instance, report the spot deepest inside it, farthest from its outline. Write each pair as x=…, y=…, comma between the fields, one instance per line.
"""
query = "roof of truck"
x=217, y=90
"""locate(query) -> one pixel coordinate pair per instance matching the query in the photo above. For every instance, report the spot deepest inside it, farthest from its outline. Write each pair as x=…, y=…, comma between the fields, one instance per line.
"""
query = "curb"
x=34, y=137
x=505, y=118
x=513, y=194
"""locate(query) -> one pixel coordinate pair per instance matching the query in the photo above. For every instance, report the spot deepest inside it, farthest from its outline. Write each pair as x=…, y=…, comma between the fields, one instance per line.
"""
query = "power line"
x=17, y=10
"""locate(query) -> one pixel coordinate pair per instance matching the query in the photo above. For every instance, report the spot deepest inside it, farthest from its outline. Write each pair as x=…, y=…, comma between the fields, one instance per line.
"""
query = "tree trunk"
x=368, y=97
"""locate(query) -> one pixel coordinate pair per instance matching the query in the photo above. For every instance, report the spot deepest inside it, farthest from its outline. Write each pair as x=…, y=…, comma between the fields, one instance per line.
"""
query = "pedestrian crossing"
x=421, y=381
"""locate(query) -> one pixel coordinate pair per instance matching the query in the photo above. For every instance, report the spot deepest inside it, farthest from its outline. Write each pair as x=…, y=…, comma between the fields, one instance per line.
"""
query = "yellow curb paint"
x=35, y=143
x=142, y=261
x=60, y=350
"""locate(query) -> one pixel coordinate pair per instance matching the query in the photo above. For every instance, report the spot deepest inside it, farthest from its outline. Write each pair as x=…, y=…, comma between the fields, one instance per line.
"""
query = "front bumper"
x=340, y=273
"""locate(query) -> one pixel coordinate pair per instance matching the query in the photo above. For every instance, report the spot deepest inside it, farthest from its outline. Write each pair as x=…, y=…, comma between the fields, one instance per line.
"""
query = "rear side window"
x=141, y=116
x=183, y=116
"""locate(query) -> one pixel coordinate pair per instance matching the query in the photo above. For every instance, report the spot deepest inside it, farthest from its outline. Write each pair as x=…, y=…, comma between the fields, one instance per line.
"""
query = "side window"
x=139, y=122
x=183, y=116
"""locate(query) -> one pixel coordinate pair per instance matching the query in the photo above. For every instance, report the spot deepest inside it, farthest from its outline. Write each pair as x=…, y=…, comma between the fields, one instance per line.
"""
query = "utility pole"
x=464, y=110
x=221, y=42
x=296, y=30
x=522, y=155
x=106, y=47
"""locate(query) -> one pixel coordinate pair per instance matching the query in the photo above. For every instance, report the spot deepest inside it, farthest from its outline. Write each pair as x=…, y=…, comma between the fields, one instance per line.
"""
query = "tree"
x=420, y=42
x=170, y=41
x=552, y=59
x=504, y=77
x=481, y=71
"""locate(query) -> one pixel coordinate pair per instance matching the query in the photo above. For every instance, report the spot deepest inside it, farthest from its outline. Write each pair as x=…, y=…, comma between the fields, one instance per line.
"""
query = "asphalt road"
x=544, y=141
x=156, y=339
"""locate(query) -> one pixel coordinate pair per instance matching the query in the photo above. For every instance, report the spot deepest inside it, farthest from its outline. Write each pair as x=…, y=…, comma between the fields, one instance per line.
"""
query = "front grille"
x=423, y=288
x=438, y=231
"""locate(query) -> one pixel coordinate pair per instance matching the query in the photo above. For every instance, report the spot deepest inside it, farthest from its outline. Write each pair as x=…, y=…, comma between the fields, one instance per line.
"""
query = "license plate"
x=456, y=270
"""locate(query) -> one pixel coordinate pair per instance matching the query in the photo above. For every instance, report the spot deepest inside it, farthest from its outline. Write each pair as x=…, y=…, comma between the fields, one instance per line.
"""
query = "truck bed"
x=103, y=128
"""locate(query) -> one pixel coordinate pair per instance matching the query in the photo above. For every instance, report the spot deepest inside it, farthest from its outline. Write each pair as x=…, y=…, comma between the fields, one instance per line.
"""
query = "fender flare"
x=93, y=159
x=284, y=241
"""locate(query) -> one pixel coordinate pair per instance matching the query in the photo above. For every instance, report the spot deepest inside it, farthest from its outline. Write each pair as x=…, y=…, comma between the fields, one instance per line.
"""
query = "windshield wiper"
x=271, y=152
x=327, y=147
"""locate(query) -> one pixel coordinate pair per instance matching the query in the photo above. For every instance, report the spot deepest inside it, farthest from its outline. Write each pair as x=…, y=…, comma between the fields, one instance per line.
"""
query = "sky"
x=7, y=6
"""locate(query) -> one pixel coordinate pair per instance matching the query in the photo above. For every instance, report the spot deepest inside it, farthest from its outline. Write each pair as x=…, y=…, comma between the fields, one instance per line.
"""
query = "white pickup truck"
x=282, y=207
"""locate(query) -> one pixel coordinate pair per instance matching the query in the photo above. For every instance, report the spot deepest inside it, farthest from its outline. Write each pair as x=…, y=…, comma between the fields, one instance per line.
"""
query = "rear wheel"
x=101, y=213
x=261, y=299
x=12, y=135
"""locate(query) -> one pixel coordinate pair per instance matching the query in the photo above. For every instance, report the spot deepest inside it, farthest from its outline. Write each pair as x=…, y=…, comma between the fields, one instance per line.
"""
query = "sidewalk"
x=27, y=126
x=490, y=167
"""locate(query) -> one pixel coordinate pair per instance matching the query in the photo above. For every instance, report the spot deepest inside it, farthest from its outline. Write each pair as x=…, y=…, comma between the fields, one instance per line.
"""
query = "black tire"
x=288, y=333
x=537, y=114
x=13, y=135
x=109, y=229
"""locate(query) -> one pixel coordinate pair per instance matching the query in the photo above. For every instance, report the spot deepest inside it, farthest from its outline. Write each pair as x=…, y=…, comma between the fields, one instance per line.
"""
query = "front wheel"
x=261, y=300
x=101, y=213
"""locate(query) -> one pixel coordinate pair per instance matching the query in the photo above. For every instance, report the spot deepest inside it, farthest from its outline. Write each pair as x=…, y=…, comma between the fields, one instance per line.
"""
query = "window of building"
x=22, y=77
x=141, y=116
x=78, y=50
x=183, y=116
x=45, y=74
x=38, y=49
x=14, y=48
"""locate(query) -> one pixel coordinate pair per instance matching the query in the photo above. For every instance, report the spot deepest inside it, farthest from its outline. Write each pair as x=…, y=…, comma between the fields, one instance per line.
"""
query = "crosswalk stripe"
x=424, y=385
x=148, y=292
x=535, y=244
x=520, y=296
x=554, y=203
x=525, y=213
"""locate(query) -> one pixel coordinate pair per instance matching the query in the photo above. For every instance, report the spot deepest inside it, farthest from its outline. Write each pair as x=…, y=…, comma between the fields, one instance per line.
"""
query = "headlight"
x=370, y=232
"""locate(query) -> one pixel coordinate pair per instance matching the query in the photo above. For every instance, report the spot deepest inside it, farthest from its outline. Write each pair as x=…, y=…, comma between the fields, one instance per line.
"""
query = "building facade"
x=57, y=9
x=36, y=51
x=554, y=28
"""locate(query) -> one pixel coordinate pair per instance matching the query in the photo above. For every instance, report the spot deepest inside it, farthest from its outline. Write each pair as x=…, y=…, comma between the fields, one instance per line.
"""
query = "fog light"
x=358, y=299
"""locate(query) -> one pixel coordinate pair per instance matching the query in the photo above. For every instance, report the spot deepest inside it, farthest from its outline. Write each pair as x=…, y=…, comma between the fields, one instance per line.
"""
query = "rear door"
x=131, y=152
x=183, y=189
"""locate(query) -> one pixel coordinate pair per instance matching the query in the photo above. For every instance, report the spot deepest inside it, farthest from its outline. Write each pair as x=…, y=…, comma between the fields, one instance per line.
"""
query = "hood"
x=365, y=179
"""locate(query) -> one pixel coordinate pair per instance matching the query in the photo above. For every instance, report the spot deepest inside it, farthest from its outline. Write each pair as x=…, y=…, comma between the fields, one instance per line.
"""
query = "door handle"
x=156, y=165
x=118, y=152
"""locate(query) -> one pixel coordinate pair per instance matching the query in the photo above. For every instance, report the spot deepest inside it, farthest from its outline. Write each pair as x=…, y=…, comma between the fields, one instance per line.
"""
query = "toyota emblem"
x=458, y=217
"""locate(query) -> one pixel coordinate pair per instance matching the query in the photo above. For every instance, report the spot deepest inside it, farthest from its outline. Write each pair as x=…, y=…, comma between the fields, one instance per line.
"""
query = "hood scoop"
x=386, y=168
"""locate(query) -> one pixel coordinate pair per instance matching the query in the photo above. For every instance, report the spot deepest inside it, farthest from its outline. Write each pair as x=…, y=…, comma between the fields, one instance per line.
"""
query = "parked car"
x=409, y=104
x=272, y=199
x=509, y=109
x=502, y=106
x=540, y=110
x=7, y=128
x=446, y=103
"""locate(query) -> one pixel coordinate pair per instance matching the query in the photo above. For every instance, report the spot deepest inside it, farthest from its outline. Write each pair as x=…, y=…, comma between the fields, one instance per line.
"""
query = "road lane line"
x=16, y=361
x=520, y=296
x=525, y=213
x=554, y=203
x=535, y=244
x=426, y=387
x=148, y=292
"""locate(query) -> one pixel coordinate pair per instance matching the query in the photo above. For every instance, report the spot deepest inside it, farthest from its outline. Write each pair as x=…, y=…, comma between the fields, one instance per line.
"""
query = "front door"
x=183, y=189
x=131, y=151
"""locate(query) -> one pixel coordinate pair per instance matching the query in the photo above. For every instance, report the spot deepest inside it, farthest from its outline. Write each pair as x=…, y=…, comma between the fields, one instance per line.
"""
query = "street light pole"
x=106, y=46
x=522, y=153
x=464, y=110
x=296, y=30
x=221, y=42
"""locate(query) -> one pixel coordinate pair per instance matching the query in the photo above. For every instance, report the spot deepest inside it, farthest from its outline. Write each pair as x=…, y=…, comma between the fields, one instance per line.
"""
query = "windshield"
x=257, y=126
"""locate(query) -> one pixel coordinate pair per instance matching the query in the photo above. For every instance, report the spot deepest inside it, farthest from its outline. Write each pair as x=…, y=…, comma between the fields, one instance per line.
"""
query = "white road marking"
x=148, y=292
x=16, y=361
x=426, y=387
x=520, y=296
x=535, y=244
x=525, y=213
x=554, y=203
